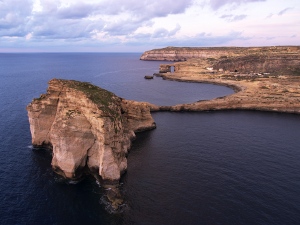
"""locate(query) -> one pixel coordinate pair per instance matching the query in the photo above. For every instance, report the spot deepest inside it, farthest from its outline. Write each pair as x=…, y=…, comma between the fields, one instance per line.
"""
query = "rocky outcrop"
x=185, y=53
x=165, y=68
x=87, y=128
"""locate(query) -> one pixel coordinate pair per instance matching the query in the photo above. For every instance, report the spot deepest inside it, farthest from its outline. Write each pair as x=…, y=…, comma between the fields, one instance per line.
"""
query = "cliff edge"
x=86, y=127
x=185, y=53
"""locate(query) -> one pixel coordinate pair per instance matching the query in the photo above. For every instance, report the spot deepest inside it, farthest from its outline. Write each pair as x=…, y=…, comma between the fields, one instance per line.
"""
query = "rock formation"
x=87, y=128
x=165, y=68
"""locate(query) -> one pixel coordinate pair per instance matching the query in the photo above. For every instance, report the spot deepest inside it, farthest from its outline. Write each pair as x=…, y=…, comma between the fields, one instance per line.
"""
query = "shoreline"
x=272, y=94
x=236, y=88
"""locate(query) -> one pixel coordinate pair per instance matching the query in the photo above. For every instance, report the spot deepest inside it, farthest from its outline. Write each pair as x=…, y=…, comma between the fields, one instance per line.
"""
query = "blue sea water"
x=233, y=167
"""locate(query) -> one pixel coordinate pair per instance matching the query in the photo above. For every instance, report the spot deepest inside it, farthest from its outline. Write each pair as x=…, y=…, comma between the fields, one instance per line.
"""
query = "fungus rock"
x=86, y=127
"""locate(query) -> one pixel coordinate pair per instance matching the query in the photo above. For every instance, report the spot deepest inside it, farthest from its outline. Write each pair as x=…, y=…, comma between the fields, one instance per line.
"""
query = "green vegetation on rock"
x=105, y=100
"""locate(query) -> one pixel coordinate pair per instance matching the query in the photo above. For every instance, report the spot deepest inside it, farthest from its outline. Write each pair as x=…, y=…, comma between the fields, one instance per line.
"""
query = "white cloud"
x=37, y=7
x=28, y=36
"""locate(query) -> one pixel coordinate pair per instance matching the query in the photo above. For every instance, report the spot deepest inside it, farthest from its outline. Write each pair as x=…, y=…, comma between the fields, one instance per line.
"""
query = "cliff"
x=288, y=64
x=185, y=53
x=87, y=128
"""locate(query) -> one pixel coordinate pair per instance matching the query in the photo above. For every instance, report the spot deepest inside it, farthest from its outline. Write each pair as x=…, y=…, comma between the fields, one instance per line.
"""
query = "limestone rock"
x=86, y=127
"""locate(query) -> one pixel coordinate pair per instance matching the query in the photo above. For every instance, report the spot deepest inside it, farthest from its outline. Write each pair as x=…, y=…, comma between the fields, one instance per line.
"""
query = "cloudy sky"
x=139, y=25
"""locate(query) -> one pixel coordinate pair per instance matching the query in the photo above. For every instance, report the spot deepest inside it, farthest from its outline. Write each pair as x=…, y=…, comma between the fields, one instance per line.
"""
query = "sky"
x=140, y=25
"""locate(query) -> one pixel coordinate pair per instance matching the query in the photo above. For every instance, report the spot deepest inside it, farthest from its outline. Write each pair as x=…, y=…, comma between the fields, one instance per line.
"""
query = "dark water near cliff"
x=233, y=167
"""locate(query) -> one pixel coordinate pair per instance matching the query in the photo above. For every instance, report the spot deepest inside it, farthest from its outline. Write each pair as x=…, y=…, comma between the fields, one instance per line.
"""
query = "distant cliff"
x=87, y=128
x=185, y=53
x=288, y=64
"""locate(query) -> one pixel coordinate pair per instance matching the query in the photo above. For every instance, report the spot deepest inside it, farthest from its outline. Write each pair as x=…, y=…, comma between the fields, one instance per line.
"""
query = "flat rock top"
x=275, y=49
x=104, y=99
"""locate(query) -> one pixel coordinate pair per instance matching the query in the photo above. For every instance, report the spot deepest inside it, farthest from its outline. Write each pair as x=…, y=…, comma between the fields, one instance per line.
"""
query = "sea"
x=221, y=167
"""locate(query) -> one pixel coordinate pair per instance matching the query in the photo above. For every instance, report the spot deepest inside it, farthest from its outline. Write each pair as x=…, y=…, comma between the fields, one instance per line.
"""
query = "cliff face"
x=185, y=53
x=275, y=64
x=86, y=127
x=182, y=54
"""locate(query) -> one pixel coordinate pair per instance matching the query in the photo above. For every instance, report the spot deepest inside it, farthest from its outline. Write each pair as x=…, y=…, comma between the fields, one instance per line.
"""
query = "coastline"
x=274, y=94
x=263, y=78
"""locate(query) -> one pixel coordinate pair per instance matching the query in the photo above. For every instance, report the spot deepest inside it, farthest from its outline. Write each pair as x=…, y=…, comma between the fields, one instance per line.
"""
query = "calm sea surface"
x=233, y=167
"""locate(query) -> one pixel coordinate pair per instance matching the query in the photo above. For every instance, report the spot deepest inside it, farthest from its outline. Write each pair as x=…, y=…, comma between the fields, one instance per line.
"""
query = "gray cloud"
x=279, y=13
x=232, y=18
x=124, y=27
x=162, y=32
x=216, y=4
x=76, y=11
x=239, y=17
x=284, y=11
x=143, y=10
x=67, y=29
x=14, y=17
x=226, y=16
x=270, y=15
x=175, y=30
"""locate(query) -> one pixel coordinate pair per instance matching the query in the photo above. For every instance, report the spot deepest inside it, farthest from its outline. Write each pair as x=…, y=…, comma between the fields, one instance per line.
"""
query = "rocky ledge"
x=87, y=128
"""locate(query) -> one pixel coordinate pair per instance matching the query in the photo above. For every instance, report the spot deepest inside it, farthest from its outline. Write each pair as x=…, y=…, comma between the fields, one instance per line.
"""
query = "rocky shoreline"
x=263, y=78
x=275, y=94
